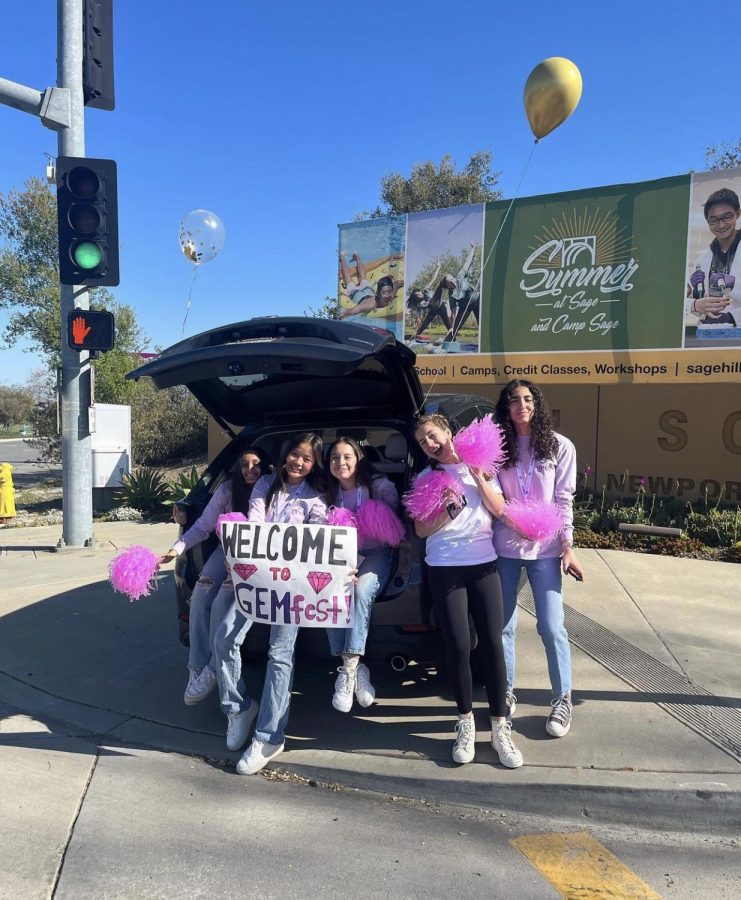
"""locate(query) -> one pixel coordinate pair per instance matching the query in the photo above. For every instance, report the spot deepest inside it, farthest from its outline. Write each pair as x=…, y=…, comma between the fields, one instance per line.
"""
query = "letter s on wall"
x=729, y=440
x=667, y=423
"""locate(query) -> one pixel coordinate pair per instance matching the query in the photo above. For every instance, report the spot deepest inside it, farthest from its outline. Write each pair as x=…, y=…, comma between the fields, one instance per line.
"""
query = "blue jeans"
x=201, y=602
x=276, y=693
x=544, y=576
x=230, y=629
x=372, y=577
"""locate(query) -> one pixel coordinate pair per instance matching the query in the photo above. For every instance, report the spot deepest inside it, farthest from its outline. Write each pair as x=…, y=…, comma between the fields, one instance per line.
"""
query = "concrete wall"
x=681, y=440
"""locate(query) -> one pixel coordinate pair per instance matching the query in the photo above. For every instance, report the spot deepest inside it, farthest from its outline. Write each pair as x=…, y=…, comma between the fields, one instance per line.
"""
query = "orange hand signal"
x=79, y=330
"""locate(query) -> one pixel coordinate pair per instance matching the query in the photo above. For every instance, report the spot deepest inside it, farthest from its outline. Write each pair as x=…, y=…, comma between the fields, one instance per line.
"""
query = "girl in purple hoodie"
x=540, y=467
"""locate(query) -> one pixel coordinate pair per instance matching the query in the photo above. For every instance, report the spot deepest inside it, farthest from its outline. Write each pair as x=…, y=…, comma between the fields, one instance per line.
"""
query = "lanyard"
x=282, y=509
x=527, y=481
x=358, y=498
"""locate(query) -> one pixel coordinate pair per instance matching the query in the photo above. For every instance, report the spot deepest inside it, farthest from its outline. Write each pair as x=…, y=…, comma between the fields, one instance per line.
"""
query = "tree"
x=166, y=425
x=724, y=156
x=436, y=186
x=29, y=276
x=330, y=309
x=16, y=403
x=42, y=384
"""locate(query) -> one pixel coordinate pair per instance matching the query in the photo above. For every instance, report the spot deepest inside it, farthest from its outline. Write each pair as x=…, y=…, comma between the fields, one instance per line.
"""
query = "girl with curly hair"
x=540, y=467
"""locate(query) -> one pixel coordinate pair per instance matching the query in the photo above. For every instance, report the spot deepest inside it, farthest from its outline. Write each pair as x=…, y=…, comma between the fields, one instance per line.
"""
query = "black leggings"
x=456, y=591
x=432, y=313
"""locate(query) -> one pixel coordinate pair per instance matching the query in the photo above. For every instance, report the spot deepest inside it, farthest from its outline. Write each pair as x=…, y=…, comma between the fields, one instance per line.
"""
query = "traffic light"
x=87, y=218
x=91, y=329
x=97, y=54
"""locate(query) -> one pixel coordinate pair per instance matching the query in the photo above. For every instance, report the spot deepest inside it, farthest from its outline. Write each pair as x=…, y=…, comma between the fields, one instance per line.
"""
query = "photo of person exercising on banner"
x=443, y=267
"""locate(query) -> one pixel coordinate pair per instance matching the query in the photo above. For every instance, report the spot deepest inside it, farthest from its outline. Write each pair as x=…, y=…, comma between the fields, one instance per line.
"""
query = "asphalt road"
x=161, y=825
x=24, y=459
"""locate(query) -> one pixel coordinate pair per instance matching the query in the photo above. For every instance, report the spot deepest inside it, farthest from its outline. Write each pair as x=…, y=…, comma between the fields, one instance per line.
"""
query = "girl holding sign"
x=350, y=486
x=540, y=467
x=463, y=580
x=231, y=496
x=292, y=495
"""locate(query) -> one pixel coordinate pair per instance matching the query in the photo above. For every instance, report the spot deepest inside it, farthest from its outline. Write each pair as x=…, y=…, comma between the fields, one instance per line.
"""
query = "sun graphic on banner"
x=586, y=238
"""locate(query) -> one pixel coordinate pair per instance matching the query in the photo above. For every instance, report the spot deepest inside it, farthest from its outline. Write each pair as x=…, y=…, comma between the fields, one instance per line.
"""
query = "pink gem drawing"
x=244, y=570
x=319, y=580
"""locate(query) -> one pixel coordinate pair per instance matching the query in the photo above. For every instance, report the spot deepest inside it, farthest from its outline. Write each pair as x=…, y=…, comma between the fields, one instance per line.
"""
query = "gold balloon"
x=552, y=93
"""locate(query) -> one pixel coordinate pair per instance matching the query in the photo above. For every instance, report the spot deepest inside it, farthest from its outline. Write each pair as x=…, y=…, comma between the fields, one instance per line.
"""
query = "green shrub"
x=122, y=514
x=183, y=485
x=716, y=527
x=144, y=489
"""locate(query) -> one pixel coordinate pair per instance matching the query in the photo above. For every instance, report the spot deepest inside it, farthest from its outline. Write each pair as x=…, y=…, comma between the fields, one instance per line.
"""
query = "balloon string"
x=511, y=204
x=488, y=255
x=190, y=292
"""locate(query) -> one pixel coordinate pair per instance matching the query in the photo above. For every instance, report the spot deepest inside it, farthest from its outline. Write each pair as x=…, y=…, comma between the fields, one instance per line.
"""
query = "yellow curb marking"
x=578, y=866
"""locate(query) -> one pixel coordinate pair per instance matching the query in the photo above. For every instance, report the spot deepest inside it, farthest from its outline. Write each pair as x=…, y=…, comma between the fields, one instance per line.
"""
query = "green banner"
x=622, y=268
x=599, y=269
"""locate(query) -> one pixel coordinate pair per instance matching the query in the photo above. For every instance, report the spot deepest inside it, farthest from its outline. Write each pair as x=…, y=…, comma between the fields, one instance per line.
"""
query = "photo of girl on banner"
x=713, y=294
x=444, y=276
x=371, y=272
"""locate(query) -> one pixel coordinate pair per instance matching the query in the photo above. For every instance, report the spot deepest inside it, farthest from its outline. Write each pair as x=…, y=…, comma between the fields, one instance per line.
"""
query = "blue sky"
x=282, y=118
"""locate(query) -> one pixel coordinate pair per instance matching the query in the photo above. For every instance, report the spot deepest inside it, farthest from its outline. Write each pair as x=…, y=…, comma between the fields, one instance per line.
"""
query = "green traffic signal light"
x=87, y=255
x=87, y=223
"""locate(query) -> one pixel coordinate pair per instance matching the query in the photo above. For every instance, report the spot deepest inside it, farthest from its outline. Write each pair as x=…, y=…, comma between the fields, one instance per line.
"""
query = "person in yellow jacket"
x=7, y=494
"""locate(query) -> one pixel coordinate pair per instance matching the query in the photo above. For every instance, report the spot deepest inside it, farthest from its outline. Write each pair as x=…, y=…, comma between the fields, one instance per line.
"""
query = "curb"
x=671, y=801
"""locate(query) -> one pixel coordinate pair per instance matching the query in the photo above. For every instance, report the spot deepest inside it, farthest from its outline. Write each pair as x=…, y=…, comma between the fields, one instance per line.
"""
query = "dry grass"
x=41, y=503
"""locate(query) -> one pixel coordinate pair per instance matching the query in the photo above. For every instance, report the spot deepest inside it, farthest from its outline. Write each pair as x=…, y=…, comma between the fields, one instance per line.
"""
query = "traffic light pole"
x=77, y=476
x=62, y=108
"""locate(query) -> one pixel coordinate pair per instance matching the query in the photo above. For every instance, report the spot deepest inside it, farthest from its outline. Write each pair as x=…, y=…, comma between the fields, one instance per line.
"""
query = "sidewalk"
x=656, y=738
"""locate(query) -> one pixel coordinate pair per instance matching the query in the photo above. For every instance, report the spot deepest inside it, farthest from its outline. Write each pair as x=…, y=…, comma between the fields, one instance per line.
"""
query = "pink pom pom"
x=133, y=571
x=378, y=523
x=481, y=444
x=339, y=515
x=427, y=498
x=229, y=517
x=537, y=521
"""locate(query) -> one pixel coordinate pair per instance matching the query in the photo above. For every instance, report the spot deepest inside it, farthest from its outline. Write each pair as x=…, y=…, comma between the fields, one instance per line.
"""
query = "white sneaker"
x=464, y=748
x=501, y=741
x=365, y=693
x=199, y=686
x=344, y=687
x=239, y=726
x=511, y=704
x=257, y=756
x=559, y=721
x=192, y=675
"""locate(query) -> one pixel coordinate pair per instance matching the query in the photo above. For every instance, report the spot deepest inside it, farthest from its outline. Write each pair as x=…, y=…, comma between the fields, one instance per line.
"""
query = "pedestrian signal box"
x=89, y=329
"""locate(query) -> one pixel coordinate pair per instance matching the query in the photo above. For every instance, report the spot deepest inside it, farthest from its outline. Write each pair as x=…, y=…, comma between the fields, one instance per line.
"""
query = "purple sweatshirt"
x=553, y=481
x=381, y=488
x=220, y=502
x=303, y=505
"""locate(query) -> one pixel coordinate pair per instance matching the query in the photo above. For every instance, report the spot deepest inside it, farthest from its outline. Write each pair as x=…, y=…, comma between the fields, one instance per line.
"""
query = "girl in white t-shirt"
x=464, y=580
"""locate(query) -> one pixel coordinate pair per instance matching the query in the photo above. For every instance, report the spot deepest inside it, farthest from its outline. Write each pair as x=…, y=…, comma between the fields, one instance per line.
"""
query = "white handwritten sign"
x=292, y=574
